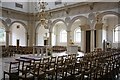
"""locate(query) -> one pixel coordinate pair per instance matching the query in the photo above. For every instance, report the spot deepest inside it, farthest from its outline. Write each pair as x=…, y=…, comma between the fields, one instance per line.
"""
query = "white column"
x=27, y=38
x=99, y=38
x=68, y=40
x=92, y=40
x=50, y=38
x=57, y=38
x=36, y=38
x=7, y=38
x=83, y=40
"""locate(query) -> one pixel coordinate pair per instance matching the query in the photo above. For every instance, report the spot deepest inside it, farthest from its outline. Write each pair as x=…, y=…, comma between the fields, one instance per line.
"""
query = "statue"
x=71, y=42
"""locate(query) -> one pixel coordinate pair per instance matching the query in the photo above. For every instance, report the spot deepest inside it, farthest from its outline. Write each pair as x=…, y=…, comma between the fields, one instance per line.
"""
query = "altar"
x=72, y=49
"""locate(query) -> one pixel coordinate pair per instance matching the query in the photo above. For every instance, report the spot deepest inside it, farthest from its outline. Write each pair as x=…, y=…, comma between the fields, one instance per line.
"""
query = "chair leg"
x=4, y=76
x=56, y=76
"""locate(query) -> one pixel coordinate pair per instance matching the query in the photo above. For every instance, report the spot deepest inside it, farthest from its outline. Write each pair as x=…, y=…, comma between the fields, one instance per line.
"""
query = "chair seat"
x=12, y=72
x=26, y=76
x=40, y=73
x=50, y=71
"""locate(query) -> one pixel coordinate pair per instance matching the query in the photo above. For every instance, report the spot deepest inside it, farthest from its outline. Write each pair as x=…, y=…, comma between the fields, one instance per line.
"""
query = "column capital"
x=7, y=31
x=68, y=30
x=50, y=31
x=36, y=33
x=92, y=29
x=99, y=26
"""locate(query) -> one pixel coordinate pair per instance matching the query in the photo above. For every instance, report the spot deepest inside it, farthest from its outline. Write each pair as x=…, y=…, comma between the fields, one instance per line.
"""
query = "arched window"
x=116, y=34
x=63, y=36
x=2, y=35
x=77, y=35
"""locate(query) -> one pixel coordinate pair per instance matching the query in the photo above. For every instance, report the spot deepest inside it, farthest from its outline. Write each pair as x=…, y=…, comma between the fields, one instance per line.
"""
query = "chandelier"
x=42, y=14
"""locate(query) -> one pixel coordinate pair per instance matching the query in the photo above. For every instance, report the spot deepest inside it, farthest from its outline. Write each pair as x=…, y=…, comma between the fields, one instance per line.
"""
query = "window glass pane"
x=2, y=35
x=63, y=36
x=116, y=34
x=77, y=35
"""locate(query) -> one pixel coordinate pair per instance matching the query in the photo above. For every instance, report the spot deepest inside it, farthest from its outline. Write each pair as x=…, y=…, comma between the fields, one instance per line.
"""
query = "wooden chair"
x=50, y=70
x=13, y=71
x=37, y=70
x=27, y=74
x=24, y=63
x=59, y=67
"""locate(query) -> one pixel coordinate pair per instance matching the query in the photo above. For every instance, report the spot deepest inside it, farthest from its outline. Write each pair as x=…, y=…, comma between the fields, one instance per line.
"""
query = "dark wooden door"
x=45, y=42
x=95, y=38
x=88, y=33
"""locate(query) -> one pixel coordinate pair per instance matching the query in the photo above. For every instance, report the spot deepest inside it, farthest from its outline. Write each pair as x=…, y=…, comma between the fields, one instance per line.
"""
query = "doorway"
x=95, y=38
x=88, y=35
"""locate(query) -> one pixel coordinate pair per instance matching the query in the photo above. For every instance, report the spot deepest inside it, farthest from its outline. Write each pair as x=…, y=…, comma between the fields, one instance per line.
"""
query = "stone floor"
x=4, y=61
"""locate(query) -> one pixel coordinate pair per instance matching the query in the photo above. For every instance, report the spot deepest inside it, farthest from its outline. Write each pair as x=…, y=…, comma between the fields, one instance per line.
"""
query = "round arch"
x=117, y=25
x=101, y=15
x=3, y=31
x=37, y=27
x=41, y=35
x=75, y=18
x=24, y=25
x=21, y=36
x=55, y=21
x=4, y=23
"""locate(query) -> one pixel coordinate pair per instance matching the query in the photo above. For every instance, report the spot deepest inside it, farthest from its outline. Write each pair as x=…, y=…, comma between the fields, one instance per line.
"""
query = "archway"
x=58, y=26
x=81, y=24
x=105, y=30
x=42, y=35
x=18, y=32
x=2, y=34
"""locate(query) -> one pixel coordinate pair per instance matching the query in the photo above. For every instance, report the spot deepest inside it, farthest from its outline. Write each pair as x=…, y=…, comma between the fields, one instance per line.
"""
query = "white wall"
x=56, y=34
x=52, y=5
x=112, y=22
x=17, y=33
x=3, y=28
x=99, y=38
x=75, y=25
x=40, y=35
x=11, y=5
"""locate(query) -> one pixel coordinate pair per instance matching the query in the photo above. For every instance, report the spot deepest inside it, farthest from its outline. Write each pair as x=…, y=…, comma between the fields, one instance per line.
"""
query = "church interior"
x=59, y=40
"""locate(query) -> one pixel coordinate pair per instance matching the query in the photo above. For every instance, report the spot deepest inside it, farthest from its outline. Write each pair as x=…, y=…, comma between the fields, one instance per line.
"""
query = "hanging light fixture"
x=42, y=14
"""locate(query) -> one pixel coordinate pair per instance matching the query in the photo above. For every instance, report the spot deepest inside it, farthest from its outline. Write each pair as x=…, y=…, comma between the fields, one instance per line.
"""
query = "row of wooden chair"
x=59, y=48
x=92, y=66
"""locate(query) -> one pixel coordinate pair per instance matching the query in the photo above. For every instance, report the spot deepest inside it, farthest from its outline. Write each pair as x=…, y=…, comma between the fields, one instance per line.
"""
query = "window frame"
x=114, y=34
x=4, y=35
x=63, y=33
x=77, y=33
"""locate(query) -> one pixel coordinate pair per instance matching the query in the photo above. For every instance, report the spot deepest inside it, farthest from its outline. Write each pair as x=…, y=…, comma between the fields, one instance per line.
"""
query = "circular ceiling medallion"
x=91, y=16
x=67, y=19
x=8, y=20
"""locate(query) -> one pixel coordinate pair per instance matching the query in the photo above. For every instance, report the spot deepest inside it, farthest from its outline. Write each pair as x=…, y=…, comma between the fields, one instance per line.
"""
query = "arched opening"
x=105, y=31
x=116, y=34
x=77, y=35
x=79, y=25
x=17, y=33
x=76, y=32
x=57, y=33
x=2, y=34
x=42, y=36
x=63, y=36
